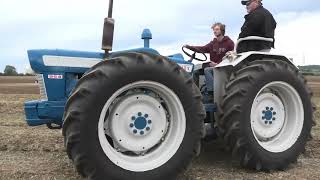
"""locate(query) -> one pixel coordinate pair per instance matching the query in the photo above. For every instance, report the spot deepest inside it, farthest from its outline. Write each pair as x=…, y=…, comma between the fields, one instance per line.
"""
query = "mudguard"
x=238, y=58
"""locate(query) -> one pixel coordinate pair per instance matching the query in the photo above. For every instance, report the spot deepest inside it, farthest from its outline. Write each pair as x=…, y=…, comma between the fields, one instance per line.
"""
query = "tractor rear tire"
x=267, y=114
x=86, y=105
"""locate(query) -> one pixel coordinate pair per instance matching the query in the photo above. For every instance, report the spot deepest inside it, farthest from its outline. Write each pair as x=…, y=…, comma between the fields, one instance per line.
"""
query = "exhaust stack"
x=108, y=30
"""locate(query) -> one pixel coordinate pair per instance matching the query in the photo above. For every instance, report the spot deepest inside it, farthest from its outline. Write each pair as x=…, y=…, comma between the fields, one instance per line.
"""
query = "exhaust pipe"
x=110, y=9
x=108, y=31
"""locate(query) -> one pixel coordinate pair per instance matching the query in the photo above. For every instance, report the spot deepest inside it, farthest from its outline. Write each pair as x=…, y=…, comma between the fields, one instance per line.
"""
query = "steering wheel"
x=193, y=56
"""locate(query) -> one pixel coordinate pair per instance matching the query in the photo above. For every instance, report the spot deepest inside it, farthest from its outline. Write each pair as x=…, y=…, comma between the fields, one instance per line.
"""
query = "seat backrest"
x=252, y=38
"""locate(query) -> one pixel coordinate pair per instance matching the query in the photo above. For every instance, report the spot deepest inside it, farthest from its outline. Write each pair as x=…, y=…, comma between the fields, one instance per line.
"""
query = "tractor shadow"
x=214, y=152
x=214, y=162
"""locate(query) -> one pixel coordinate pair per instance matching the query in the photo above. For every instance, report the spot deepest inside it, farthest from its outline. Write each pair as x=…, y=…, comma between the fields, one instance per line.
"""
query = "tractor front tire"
x=136, y=116
x=267, y=114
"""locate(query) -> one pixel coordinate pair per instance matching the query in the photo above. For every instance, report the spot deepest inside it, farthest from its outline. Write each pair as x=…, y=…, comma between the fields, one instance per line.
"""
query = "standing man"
x=258, y=22
x=217, y=48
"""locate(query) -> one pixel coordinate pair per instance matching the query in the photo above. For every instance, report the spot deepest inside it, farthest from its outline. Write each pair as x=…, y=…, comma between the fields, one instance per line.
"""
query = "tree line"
x=310, y=70
x=12, y=71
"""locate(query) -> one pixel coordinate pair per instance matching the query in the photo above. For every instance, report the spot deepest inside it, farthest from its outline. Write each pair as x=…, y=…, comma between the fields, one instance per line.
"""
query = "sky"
x=77, y=25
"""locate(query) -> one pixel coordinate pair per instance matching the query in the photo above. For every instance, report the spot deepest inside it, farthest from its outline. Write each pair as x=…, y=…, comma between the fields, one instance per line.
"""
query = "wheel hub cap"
x=138, y=123
x=269, y=121
x=141, y=124
x=268, y=115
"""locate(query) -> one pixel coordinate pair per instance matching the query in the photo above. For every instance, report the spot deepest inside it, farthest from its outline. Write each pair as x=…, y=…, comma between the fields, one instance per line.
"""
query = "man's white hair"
x=259, y=1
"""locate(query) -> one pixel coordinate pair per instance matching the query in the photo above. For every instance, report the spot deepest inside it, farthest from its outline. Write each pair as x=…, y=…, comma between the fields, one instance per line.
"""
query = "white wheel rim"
x=277, y=117
x=147, y=126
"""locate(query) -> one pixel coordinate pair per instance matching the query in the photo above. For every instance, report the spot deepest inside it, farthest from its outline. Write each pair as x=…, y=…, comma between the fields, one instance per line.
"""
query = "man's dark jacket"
x=259, y=22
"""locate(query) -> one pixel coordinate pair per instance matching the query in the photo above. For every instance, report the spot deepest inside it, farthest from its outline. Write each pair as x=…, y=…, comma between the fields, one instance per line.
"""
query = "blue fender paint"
x=51, y=109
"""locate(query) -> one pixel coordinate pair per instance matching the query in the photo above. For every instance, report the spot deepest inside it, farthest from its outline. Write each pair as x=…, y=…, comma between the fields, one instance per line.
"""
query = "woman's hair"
x=222, y=27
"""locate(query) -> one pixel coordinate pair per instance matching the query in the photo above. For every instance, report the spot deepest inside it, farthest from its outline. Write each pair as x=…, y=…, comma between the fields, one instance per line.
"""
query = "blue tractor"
x=136, y=114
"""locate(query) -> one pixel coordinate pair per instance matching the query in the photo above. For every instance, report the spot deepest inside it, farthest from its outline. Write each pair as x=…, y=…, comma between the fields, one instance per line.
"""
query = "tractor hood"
x=68, y=61
x=46, y=60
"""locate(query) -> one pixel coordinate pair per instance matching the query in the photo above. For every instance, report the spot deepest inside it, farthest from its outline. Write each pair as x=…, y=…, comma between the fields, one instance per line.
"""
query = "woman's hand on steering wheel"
x=193, y=56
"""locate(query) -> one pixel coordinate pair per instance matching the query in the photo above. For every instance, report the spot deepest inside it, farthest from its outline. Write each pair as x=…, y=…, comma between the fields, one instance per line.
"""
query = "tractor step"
x=41, y=112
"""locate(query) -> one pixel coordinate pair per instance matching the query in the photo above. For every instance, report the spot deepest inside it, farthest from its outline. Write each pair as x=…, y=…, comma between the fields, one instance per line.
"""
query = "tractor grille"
x=42, y=86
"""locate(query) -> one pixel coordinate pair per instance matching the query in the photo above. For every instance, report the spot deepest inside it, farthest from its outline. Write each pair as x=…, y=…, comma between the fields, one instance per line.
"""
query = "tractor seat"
x=254, y=38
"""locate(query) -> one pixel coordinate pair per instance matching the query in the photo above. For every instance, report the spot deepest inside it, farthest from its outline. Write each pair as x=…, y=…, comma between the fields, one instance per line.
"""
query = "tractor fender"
x=252, y=55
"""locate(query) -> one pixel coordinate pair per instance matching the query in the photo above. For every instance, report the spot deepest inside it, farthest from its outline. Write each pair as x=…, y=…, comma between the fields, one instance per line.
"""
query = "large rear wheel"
x=268, y=114
x=137, y=116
